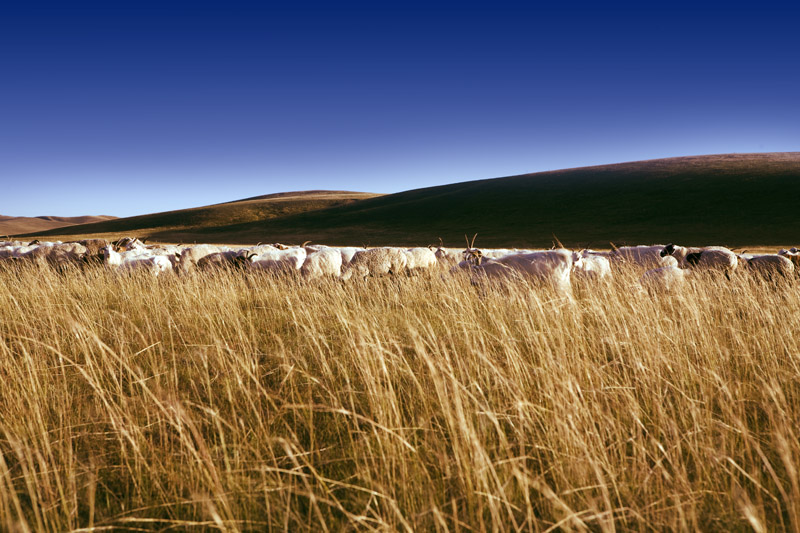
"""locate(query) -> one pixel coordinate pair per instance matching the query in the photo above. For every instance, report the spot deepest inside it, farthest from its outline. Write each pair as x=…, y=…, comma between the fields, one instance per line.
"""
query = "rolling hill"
x=16, y=225
x=180, y=225
x=733, y=199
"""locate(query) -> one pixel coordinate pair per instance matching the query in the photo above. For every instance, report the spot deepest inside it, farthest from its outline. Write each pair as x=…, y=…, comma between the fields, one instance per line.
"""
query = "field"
x=237, y=401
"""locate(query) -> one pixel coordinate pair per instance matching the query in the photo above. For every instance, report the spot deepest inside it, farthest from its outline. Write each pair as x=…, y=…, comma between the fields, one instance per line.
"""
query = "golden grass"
x=244, y=402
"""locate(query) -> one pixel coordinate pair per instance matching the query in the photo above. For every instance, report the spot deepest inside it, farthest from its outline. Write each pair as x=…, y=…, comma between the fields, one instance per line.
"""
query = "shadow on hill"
x=730, y=199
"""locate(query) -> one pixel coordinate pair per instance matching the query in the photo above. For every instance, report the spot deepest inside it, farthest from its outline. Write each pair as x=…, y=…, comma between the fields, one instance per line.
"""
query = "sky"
x=125, y=108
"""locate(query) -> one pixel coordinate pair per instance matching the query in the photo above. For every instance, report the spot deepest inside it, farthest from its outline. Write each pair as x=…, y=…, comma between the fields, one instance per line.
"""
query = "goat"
x=471, y=254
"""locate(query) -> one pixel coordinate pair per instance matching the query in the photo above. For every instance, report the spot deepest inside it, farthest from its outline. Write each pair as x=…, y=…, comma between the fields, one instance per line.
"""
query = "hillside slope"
x=734, y=199
x=179, y=225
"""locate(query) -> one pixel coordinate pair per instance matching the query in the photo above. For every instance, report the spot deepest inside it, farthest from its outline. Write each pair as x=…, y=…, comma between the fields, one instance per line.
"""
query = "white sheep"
x=448, y=256
x=311, y=248
x=497, y=253
x=172, y=252
x=348, y=252
x=595, y=266
x=643, y=256
x=552, y=267
x=709, y=257
x=420, y=259
x=55, y=254
x=793, y=255
x=768, y=266
x=376, y=262
x=189, y=257
x=129, y=243
x=662, y=279
x=322, y=263
x=132, y=260
x=230, y=259
x=15, y=251
x=288, y=259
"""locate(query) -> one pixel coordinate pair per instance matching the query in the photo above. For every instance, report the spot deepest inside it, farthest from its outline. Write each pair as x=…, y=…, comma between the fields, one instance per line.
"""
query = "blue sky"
x=126, y=108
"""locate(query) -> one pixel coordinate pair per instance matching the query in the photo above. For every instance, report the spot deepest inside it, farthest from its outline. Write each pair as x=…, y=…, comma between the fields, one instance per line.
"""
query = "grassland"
x=242, y=402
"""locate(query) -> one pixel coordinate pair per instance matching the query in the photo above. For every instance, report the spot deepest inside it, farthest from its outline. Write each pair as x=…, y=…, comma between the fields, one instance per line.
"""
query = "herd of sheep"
x=664, y=266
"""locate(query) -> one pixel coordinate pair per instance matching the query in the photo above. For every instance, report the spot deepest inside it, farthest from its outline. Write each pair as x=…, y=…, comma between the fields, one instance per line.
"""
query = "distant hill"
x=14, y=225
x=733, y=199
x=180, y=225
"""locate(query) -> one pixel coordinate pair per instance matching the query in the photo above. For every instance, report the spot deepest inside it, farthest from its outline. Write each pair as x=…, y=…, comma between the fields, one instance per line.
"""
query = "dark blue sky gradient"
x=126, y=108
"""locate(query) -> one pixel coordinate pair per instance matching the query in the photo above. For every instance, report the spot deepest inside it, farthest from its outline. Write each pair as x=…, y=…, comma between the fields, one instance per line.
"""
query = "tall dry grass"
x=243, y=402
